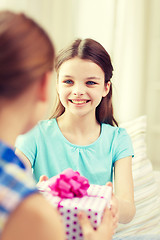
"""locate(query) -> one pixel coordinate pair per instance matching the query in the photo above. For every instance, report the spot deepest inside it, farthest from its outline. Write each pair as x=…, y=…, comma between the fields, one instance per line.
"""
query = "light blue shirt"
x=50, y=152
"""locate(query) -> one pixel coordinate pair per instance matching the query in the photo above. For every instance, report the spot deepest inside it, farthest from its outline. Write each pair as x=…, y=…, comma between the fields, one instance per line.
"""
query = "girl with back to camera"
x=83, y=129
x=26, y=63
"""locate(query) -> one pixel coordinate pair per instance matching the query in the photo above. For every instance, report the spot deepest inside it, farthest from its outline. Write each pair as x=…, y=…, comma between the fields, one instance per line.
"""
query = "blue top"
x=50, y=152
x=16, y=183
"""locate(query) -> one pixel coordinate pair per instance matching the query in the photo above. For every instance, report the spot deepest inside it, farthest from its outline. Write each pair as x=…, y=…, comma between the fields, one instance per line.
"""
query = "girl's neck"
x=9, y=127
x=79, y=130
x=15, y=118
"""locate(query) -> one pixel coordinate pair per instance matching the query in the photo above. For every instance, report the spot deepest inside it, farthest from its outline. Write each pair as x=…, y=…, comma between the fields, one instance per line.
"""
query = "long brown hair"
x=26, y=53
x=94, y=51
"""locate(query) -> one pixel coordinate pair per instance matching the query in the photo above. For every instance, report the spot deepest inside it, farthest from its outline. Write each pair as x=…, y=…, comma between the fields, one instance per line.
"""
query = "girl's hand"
x=114, y=207
x=105, y=230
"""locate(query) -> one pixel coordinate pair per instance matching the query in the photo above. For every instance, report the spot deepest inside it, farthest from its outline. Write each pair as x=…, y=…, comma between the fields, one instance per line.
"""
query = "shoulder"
x=114, y=131
x=117, y=136
x=47, y=124
x=34, y=219
x=119, y=140
x=43, y=128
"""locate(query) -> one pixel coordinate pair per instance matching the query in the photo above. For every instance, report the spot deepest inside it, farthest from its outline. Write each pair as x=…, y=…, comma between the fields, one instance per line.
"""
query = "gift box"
x=92, y=199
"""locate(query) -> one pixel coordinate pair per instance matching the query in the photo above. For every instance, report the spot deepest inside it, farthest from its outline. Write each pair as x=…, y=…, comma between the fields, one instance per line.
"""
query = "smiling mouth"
x=79, y=101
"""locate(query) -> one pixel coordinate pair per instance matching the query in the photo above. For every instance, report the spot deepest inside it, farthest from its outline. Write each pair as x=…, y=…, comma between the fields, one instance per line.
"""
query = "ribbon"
x=69, y=184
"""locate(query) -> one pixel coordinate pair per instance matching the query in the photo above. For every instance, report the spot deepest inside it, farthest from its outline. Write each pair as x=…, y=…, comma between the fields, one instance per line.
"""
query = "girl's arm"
x=26, y=161
x=124, y=189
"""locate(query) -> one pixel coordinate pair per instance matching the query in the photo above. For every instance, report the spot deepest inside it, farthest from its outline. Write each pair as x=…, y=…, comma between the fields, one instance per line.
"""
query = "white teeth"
x=79, y=101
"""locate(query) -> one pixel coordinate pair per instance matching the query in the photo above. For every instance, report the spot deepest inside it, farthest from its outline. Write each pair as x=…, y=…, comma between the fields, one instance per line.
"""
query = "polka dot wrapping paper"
x=93, y=204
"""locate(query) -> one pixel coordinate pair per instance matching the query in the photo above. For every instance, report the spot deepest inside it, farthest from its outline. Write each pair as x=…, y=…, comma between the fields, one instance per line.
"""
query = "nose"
x=78, y=90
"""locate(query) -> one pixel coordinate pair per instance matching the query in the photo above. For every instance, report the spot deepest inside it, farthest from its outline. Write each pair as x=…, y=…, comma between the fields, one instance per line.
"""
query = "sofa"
x=146, y=185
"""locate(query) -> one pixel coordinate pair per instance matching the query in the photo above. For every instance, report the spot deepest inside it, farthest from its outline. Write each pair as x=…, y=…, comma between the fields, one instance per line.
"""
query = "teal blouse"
x=50, y=152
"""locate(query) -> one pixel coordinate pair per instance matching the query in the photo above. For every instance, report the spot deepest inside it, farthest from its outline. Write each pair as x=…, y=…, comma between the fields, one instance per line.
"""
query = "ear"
x=44, y=87
x=106, y=88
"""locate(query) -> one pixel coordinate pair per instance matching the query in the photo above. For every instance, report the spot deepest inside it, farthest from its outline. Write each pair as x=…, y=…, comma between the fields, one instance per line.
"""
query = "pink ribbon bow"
x=69, y=184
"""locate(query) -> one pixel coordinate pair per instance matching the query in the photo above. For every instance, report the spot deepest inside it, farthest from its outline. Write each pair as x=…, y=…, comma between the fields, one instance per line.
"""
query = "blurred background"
x=130, y=32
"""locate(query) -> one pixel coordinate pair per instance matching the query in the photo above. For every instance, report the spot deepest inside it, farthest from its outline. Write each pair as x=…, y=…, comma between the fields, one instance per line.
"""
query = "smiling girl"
x=82, y=133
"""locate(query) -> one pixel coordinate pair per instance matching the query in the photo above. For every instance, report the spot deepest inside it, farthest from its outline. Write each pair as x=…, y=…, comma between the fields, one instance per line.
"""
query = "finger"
x=108, y=221
x=107, y=216
x=43, y=178
x=109, y=184
x=85, y=224
x=115, y=225
x=115, y=220
x=113, y=210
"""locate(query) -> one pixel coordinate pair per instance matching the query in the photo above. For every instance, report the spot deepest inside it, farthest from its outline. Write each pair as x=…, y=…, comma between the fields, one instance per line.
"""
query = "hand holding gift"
x=72, y=195
x=105, y=230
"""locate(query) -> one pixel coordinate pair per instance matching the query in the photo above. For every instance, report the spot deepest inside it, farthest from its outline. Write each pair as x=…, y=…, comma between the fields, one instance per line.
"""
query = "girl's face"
x=81, y=86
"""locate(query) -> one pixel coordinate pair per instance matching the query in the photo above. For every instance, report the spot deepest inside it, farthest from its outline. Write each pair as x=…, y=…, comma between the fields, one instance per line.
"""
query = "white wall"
x=56, y=16
x=96, y=19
